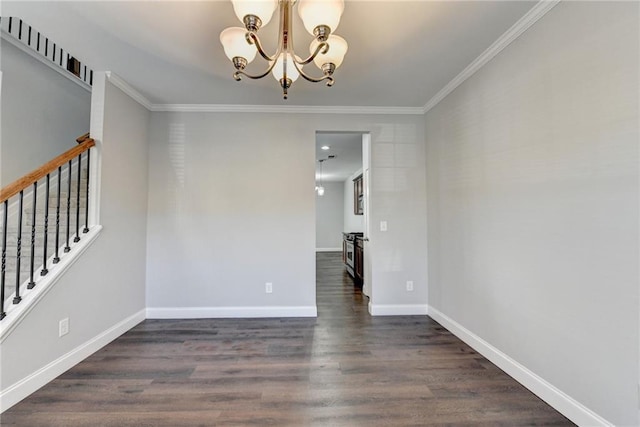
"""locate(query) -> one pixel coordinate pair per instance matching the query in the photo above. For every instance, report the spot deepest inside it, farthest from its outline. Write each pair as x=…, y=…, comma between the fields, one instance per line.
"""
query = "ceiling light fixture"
x=325, y=147
x=320, y=18
x=319, y=187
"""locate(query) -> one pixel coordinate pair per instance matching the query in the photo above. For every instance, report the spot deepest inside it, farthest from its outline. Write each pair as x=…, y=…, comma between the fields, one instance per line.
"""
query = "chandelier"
x=320, y=18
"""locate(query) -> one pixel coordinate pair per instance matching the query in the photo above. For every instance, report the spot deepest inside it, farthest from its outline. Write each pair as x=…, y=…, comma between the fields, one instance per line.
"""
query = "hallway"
x=344, y=368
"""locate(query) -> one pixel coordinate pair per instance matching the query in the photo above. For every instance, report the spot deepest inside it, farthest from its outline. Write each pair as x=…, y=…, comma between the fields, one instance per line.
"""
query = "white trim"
x=96, y=130
x=328, y=249
x=31, y=298
x=229, y=312
x=397, y=309
x=118, y=82
x=23, y=388
x=55, y=67
x=565, y=404
x=121, y=84
x=288, y=109
x=523, y=24
x=367, y=259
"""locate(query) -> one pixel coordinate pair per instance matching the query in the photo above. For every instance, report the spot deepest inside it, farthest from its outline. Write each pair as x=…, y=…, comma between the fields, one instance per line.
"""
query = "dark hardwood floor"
x=342, y=369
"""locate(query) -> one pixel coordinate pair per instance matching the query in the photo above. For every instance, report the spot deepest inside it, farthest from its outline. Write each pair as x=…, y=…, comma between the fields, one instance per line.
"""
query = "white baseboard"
x=397, y=310
x=328, y=249
x=229, y=312
x=23, y=388
x=562, y=402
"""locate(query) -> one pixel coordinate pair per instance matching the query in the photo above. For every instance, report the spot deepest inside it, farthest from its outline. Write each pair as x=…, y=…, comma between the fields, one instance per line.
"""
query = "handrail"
x=82, y=138
x=37, y=174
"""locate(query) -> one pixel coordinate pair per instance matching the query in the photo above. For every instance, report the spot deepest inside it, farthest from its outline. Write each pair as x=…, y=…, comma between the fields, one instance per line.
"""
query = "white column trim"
x=96, y=131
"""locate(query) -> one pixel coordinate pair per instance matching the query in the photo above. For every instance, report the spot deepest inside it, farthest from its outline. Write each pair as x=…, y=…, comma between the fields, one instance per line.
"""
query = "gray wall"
x=109, y=277
x=533, y=204
x=330, y=216
x=232, y=206
x=42, y=113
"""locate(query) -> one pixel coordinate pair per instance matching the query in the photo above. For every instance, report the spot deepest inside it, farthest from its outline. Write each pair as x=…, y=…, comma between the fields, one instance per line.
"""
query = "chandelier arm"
x=272, y=63
x=327, y=77
x=237, y=74
x=253, y=38
x=322, y=48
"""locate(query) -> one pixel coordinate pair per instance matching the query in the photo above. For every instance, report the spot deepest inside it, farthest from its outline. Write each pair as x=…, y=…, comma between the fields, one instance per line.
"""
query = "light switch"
x=383, y=225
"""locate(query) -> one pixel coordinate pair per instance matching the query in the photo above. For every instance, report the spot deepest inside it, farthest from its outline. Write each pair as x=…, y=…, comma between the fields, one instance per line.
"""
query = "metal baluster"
x=86, y=211
x=67, y=248
x=56, y=258
x=77, y=238
x=44, y=270
x=32, y=283
x=4, y=257
x=18, y=298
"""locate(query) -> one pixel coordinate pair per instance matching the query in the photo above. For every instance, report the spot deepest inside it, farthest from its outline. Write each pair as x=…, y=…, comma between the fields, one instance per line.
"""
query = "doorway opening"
x=342, y=211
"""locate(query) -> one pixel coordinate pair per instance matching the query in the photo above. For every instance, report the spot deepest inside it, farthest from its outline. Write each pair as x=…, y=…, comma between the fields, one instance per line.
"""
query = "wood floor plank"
x=344, y=368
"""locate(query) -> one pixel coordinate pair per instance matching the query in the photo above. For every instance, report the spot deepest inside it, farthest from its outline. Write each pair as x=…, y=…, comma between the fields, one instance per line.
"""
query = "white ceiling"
x=401, y=53
x=347, y=149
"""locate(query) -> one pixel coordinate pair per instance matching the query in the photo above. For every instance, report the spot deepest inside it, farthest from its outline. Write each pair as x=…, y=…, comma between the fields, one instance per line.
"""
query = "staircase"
x=54, y=233
x=43, y=215
x=22, y=35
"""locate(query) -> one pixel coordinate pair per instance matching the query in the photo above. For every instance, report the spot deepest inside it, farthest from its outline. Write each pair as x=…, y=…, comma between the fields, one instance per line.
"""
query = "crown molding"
x=118, y=82
x=523, y=24
x=288, y=109
x=238, y=108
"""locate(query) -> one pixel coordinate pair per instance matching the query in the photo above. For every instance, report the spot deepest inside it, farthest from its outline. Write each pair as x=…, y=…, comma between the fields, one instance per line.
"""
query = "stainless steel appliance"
x=350, y=252
x=350, y=256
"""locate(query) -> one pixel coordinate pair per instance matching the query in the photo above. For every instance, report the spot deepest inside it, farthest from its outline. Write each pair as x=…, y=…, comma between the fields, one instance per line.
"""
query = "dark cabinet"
x=359, y=260
x=358, y=196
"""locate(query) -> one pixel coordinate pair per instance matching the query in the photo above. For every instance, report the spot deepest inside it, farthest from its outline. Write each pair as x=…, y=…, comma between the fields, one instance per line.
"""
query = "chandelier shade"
x=320, y=18
x=235, y=44
x=335, y=54
x=316, y=13
x=262, y=9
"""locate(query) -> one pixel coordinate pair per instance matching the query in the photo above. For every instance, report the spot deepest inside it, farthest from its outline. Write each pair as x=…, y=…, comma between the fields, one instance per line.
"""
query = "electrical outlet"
x=383, y=225
x=63, y=327
x=268, y=287
x=409, y=285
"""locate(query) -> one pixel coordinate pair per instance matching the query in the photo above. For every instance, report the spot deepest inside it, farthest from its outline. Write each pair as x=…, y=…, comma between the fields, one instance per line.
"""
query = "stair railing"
x=13, y=212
